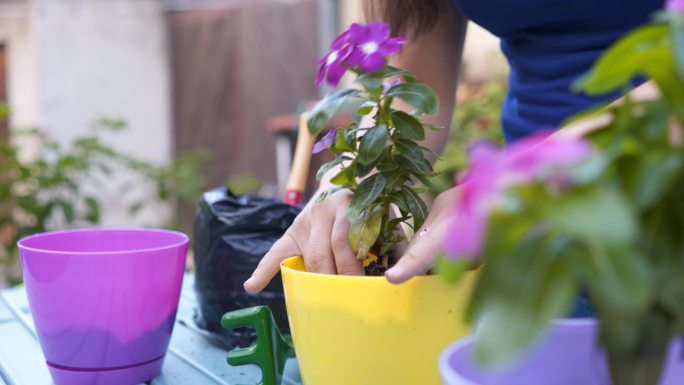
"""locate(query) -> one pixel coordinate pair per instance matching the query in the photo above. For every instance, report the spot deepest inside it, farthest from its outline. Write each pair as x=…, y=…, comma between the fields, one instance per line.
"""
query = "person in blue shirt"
x=548, y=45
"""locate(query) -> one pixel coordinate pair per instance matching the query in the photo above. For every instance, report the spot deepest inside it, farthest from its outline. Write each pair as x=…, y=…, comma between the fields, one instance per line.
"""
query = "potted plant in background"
x=364, y=330
x=556, y=215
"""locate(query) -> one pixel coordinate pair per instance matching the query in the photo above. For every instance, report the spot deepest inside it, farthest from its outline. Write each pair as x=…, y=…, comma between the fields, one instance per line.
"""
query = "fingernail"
x=394, y=272
x=248, y=282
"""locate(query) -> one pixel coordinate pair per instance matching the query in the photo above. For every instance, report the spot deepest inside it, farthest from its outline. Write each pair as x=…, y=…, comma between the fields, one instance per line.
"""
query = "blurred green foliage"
x=477, y=117
x=59, y=186
x=242, y=184
x=611, y=225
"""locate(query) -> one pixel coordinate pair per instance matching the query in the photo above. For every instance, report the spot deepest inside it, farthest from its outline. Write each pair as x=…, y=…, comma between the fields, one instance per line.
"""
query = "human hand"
x=320, y=234
x=419, y=256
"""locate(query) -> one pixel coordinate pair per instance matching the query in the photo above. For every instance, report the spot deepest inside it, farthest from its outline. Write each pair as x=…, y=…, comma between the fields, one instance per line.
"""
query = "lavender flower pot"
x=568, y=355
x=104, y=301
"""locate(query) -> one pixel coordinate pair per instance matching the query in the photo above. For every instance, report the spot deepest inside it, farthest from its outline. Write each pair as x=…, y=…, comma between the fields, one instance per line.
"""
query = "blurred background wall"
x=107, y=58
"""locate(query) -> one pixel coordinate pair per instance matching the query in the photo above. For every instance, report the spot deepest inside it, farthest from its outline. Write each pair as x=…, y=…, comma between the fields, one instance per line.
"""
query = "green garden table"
x=193, y=358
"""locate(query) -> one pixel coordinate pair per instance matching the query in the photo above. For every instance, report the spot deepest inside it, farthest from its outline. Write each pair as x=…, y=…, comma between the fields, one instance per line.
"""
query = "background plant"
x=477, y=117
x=380, y=163
x=59, y=187
x=612, y=224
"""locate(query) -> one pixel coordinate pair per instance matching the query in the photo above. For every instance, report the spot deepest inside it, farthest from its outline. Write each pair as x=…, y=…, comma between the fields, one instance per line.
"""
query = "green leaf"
x=398, y=198
x=345, y=176
x=341, y=144
x=642, y=52
x=433, y=127
x=419, y=96
x=387, y=164
x=396, y=179
x=367, y=107
x=416, y=166
x=368, y=191
x=372, y=81
x=372, y=144
x=654, y=175
x=600, y=213
x=394, y=71
x=327, y=167
x=93, y=213
x=618, y=279
x=330, y=191
x=524, y=285
x=408, y=126
x=678, y=42
x=364, y=169
x=364, y=230
x=519, y=312
x=410, y=150
x=416, y=207
x=69, y=212
x=451, y=271
x=326, y=108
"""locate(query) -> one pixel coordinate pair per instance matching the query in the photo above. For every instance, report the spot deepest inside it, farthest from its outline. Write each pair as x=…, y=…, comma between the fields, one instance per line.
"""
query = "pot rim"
x=283, y=266
x=452, y=377
x=183, y=239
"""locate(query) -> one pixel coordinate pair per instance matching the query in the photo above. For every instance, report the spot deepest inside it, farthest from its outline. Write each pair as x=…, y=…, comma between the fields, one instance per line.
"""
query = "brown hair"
x=407, y=17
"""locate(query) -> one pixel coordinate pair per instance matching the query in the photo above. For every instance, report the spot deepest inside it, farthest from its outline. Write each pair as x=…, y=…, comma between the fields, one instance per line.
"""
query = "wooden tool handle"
x=296, y=184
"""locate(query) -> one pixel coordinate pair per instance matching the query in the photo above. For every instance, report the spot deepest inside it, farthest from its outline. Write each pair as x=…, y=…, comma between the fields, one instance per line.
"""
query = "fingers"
x=269, y=265
x=318, y=256
x=418, y=258
x=345, y=259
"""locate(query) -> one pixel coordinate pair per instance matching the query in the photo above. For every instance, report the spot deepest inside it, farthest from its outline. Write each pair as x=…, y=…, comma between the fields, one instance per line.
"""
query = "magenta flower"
x=539, y=153
x=479, y=186
x=331, y=67
x=491, y=171
x=372, y=44
x=326, y=141
x=675, y=5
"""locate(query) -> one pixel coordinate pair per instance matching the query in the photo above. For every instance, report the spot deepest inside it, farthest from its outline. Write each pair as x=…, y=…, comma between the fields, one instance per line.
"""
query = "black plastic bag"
x=231, y=235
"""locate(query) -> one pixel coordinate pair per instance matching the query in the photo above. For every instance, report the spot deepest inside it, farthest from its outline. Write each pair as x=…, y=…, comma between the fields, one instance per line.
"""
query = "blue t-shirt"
x=549, y=44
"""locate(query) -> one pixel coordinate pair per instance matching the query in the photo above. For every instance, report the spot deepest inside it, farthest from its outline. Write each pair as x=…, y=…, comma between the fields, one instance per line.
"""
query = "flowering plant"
x=553, y=217
x=379, y=163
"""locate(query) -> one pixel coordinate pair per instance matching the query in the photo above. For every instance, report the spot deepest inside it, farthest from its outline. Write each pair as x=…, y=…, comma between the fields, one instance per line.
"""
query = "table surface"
x=192, y=359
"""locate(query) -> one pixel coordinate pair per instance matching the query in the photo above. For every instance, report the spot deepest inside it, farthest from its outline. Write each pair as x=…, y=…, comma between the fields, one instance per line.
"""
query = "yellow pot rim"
x=365, y=278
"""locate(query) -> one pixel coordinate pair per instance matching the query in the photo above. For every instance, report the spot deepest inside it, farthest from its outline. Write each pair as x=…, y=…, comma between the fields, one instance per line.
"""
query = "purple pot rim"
x=183, y=240
x=452, y=377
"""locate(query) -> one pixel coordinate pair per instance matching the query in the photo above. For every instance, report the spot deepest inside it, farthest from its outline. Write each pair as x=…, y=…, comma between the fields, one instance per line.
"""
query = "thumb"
x=418, y=258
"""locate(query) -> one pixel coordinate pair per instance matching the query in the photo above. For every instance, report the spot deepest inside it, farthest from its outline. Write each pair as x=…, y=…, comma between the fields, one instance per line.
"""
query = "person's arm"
x=320, y=234
x=583, y=127
x=435, y=58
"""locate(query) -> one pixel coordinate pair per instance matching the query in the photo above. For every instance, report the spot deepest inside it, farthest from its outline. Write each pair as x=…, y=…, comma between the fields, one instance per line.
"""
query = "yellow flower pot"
x=366, y=331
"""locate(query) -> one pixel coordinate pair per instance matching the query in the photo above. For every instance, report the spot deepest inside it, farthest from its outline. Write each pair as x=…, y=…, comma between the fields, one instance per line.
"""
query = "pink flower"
x=331, y=67
x=538, y=153
x=372, y=44
x=479, y=186
x=491, y=171
x=675, y=5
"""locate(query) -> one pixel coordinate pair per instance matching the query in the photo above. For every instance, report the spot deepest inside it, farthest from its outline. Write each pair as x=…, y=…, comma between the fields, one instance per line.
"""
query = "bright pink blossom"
x=675, y=5
x=491, y=171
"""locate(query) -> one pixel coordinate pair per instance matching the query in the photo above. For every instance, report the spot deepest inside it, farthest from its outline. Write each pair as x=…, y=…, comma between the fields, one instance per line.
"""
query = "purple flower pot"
x=568, y=355
x=104, y=301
